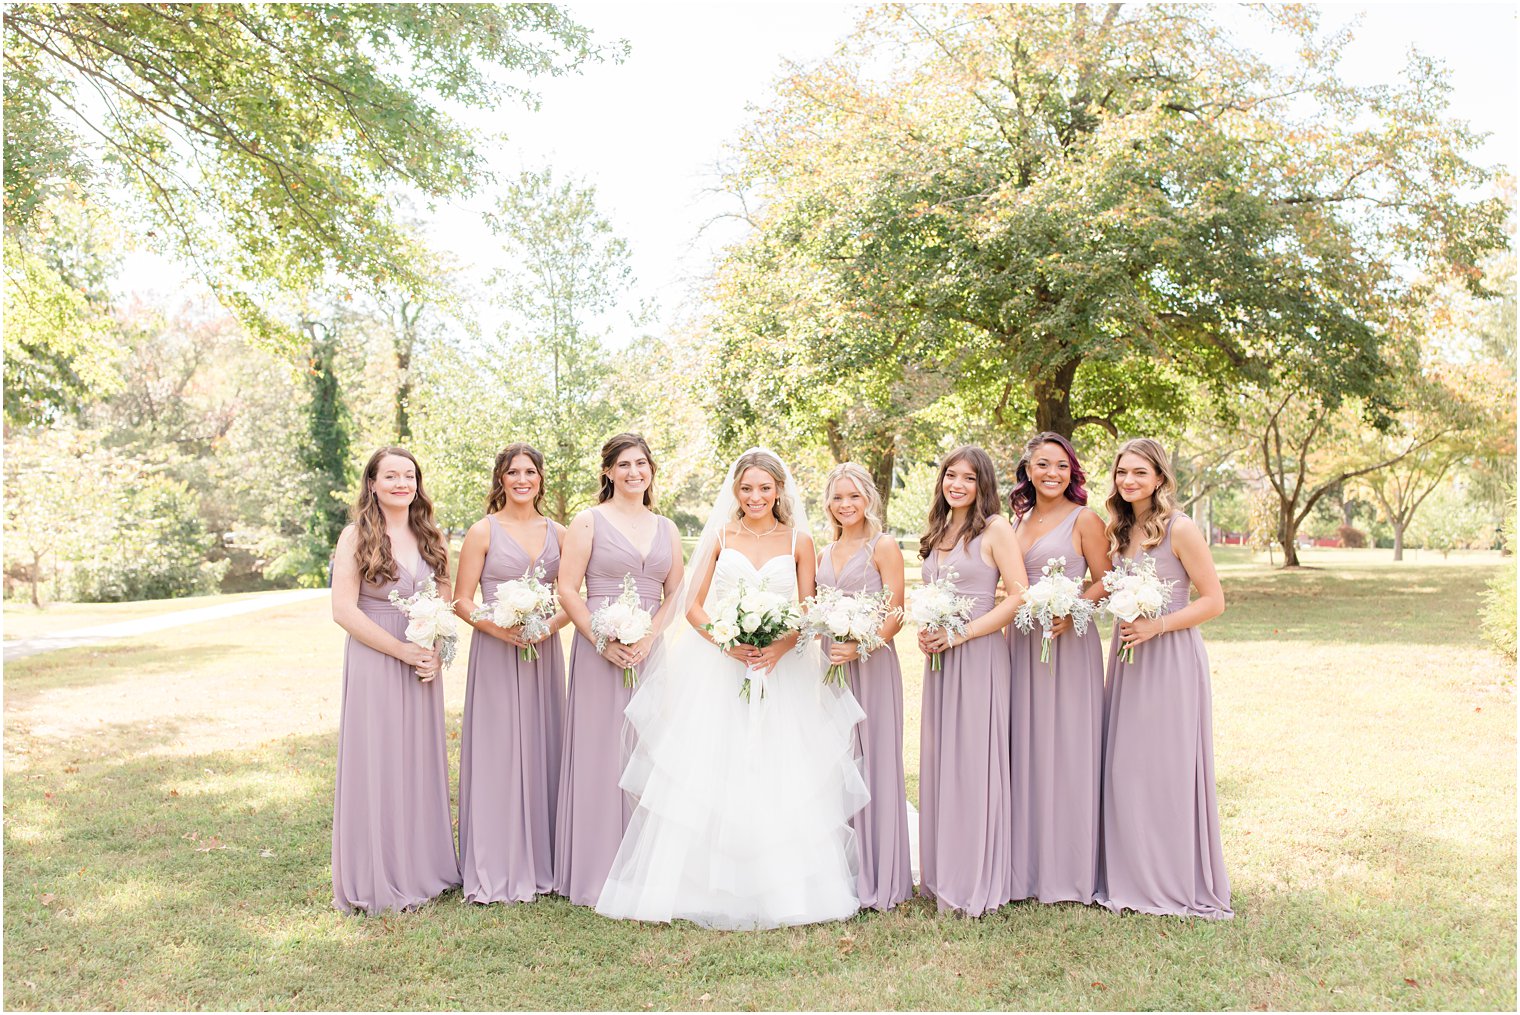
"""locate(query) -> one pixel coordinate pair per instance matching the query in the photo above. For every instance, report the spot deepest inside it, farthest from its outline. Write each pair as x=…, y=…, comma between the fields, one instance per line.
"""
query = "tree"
x=1073, y=215
x=261, y=140
x=59, y=345
x=56, y=480
x=569, y=270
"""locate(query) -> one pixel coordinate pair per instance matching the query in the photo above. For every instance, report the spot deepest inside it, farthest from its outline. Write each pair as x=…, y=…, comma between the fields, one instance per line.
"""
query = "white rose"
x=1149, y=599
x=723, y=631
x=1039, y=594
x=1124, y=605
x=838, y=621
x=749, y=621
x=635, y=627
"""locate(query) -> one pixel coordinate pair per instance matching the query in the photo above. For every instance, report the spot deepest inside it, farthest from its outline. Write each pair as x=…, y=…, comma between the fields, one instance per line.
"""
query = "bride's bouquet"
x=939, y=606
x=622, y=620
x=429, y=619
x=834, y=613
x=1135, y=590
x=1053, y=596
x=753, y=615
x=524, y=602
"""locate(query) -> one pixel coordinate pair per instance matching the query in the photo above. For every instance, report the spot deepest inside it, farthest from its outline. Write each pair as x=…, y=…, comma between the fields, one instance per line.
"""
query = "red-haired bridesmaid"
x=393, y=840
x=1056, y=750
x=509, y=746
x=862, y=559
x=1160, y=851
x=621, y=536
x=964, y=808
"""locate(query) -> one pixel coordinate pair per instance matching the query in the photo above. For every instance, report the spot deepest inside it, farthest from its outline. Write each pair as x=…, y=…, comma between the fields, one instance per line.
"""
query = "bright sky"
x=647, y=132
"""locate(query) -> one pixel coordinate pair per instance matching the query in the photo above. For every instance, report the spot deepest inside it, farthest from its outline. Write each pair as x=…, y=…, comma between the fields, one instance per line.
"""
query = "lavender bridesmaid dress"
x=393, y=836
x=593, y=812
x=1160, y=835
x=963, y=824
x=1056, y=750
x=509, y=746
x=881, y=827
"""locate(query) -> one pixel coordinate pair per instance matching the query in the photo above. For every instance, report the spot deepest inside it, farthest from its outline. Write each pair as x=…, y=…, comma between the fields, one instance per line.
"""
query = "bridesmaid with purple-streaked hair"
x=861, y=559
x=392, y=840
x=509, y=745
x=1160, y=849
x=621, y=536
x=1056, y=726
x=963, y=789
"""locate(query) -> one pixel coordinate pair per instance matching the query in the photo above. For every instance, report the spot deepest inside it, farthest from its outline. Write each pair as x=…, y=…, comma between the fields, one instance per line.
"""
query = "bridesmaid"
x=393, y=837
x=1160, y=850
x=1056, y=727
x=860, y=560
x=513, y=707
x=620, y=536
x=964, y=809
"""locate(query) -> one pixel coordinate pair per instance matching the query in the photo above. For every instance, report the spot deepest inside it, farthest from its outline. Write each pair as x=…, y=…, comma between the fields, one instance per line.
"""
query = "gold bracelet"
x=1163, y=623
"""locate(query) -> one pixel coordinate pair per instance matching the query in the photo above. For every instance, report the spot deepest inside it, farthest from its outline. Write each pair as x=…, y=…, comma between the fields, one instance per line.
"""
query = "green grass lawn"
x=168, y=805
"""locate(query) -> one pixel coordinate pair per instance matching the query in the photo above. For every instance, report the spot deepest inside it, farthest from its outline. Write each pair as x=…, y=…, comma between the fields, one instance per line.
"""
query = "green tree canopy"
x=264, y=141
x=1074, y=215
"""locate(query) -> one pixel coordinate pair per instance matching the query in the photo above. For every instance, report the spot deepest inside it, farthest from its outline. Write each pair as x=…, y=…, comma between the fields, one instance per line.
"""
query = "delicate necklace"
x=759, y=535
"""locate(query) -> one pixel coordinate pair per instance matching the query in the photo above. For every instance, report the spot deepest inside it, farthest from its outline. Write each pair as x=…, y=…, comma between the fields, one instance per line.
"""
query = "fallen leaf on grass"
x=71, y=769
x=1412, y=983
x=174, y=792
x=212, y=843
x=192, y=836
x=1099, y=985
x=47, y=898
x=846, y=944
x=453, y=734
x=1259, y=1006
x=266, y=853
x=48, y=795
x=30, y=984
x=705, y=997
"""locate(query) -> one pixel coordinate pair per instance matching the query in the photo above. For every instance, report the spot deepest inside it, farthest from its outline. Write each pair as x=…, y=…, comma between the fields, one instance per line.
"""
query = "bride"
x=743, y=807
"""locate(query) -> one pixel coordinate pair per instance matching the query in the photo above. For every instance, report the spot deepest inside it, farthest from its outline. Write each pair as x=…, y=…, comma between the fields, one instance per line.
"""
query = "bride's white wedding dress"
x=743, y=806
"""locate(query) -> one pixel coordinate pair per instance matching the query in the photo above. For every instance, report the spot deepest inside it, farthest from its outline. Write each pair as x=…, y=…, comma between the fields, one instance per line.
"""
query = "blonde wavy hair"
x=865, y=484
x=1121, y=516
x=769, y=463
x=377, y=565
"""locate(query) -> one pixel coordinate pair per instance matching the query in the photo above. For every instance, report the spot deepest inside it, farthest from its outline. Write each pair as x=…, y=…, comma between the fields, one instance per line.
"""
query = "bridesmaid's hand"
x=618, y=654
x=641, y=648
x=511, y=635
x=1060, y=627
x=414, y=655
x=767, y=658
x=1143, y=629
x=933, y=642
x=841, y=652
x=427, y=669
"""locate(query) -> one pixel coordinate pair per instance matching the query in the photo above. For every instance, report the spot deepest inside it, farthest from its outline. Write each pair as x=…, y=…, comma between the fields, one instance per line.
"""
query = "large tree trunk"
x=1287, y=535
x=36, y=578
x=1398, y=539
x=881, y=474
x=1052, y=400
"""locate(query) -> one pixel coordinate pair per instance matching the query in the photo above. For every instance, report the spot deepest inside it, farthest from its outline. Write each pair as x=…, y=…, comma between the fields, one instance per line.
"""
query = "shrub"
x=1352, y=537
x=155, y=548
x=1499, y=599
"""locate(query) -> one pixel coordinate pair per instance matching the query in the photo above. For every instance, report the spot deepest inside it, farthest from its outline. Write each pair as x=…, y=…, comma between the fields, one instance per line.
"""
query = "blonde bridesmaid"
x=862, y=559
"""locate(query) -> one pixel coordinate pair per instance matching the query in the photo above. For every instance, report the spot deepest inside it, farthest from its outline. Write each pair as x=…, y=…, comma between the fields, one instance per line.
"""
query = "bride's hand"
x=768, y=657
x=841, y=652
x=746, y=654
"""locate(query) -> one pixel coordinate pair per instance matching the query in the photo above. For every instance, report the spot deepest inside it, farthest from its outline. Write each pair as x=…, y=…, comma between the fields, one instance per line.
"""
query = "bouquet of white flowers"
x=1054, y=595
x=1135, y=590
x=429, y=619
x=622, y=620
x=524, y=602
x=753, y=615
x=937, y=606
x=834, y=613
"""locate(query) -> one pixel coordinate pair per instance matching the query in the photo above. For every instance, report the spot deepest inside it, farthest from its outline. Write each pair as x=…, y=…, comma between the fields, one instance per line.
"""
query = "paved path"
x=147, y=625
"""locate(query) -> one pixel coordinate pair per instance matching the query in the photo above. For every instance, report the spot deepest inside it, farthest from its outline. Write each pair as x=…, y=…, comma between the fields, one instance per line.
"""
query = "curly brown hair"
x=498, y=498
x=377, y=565
x=987, y=501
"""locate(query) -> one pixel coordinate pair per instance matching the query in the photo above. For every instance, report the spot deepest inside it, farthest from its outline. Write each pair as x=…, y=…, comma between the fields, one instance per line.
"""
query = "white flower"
x=1040, y=594
x=723, y=631
x=750, y=621
x=839, y=621
x=1149, y=599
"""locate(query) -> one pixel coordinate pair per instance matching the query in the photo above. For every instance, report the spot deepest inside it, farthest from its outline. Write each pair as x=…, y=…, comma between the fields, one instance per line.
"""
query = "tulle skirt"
x=743, y=807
